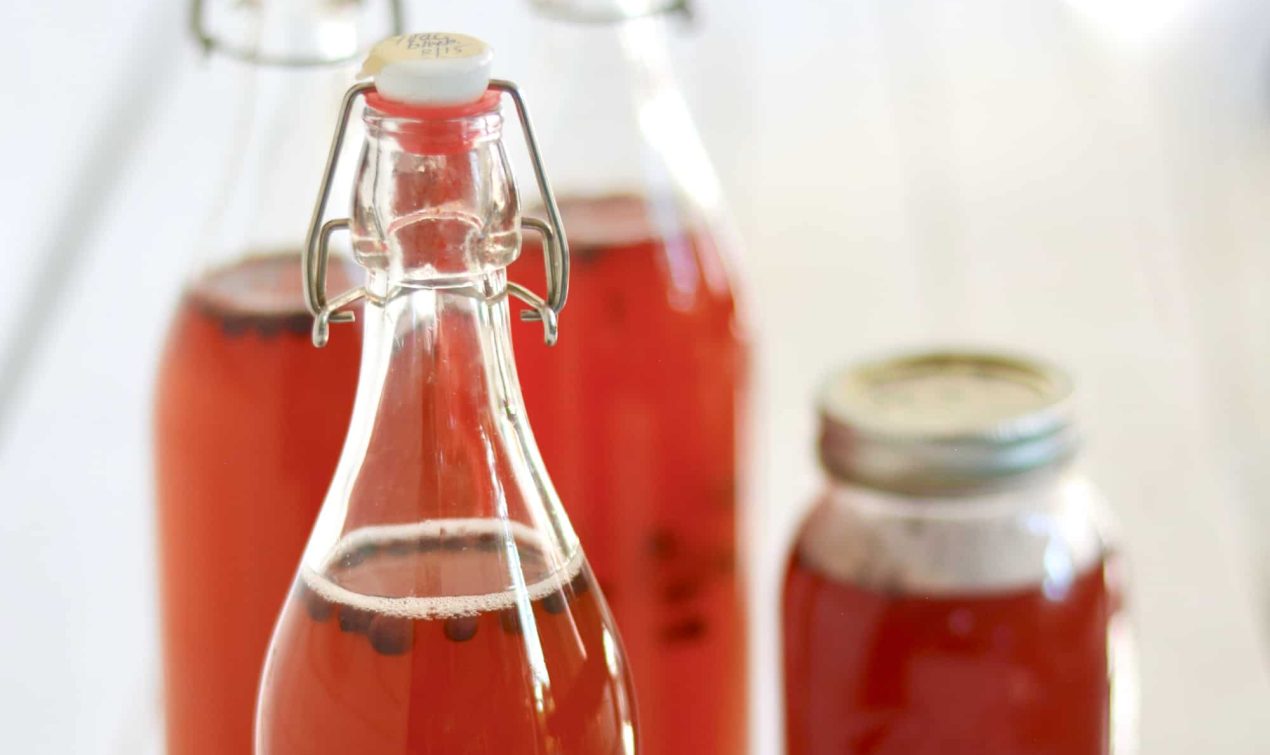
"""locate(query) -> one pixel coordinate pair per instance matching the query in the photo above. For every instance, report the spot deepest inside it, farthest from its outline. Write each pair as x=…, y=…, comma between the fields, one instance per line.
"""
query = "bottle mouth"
x=605, y=11
x=946, y=422
x=435, y=129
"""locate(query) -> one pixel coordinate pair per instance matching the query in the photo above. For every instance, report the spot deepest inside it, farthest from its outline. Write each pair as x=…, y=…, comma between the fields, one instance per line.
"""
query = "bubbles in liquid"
x=261, y=295
x=449, y=636
x=379, y=581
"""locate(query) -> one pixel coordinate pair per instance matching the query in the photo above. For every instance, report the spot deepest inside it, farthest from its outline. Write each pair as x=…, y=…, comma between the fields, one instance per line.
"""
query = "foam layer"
x=449, y=606
x=265, y=284
x=1010, y=540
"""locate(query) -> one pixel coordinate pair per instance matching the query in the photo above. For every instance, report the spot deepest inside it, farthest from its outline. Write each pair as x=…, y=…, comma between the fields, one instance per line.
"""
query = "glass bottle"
x=443, y=602
x=241, y=459
x=954, y=589
x=639, y=412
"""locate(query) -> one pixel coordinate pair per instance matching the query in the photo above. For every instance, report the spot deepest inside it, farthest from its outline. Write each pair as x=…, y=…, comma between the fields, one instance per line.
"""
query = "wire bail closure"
x=316, y=251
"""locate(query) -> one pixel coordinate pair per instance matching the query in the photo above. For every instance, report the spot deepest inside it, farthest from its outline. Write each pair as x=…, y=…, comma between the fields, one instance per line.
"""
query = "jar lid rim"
x=945, y=420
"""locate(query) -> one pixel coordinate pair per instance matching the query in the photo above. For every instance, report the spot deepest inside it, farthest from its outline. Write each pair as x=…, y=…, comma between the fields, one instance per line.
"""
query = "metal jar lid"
x=945, y=422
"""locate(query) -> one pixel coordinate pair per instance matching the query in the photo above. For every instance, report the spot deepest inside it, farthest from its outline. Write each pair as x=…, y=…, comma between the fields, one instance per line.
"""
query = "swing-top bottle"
x=443, y=603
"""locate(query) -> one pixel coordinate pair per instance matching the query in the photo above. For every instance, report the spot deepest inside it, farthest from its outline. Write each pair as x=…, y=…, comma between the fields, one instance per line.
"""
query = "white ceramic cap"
x=430, y=69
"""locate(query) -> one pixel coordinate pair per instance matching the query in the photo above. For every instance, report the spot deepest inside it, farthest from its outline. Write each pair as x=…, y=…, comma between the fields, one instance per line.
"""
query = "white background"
x=1084, y=179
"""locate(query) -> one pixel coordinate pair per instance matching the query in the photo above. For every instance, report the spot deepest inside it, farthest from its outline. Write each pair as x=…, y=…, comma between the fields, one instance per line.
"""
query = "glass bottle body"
x=369, y=678
x=242, y=462
x=241, y=459
x=989, y=623
x=443, y=603
x=638, y=412
x=442, y=619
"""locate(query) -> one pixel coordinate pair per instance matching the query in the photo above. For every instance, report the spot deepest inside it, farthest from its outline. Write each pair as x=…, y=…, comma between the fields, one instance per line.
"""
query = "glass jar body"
x=989, y=623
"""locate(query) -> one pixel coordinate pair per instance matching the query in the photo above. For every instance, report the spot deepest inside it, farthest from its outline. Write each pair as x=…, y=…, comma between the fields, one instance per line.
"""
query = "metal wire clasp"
x=555, y=245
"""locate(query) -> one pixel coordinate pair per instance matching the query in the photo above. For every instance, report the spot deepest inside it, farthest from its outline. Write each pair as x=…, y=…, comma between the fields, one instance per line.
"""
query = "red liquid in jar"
x=1006, y=673
x=635, y=411
x=249, y=423
x=476, y=668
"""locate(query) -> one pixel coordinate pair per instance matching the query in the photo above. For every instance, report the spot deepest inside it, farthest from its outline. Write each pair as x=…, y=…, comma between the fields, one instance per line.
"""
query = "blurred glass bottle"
x=443, y=604
x=954, y=589
x=639, y=412
x=241, y=459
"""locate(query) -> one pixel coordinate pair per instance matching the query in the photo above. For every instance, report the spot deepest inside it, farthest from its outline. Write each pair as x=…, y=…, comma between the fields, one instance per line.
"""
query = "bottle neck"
x=434, y=202
x=289, y=63
x=273, y=156
x=438, y=429
x=619, y=123
x=293, y=33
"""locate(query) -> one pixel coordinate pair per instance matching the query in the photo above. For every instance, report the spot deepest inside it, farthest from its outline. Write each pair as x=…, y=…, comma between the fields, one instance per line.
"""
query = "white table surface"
x=903, y=172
